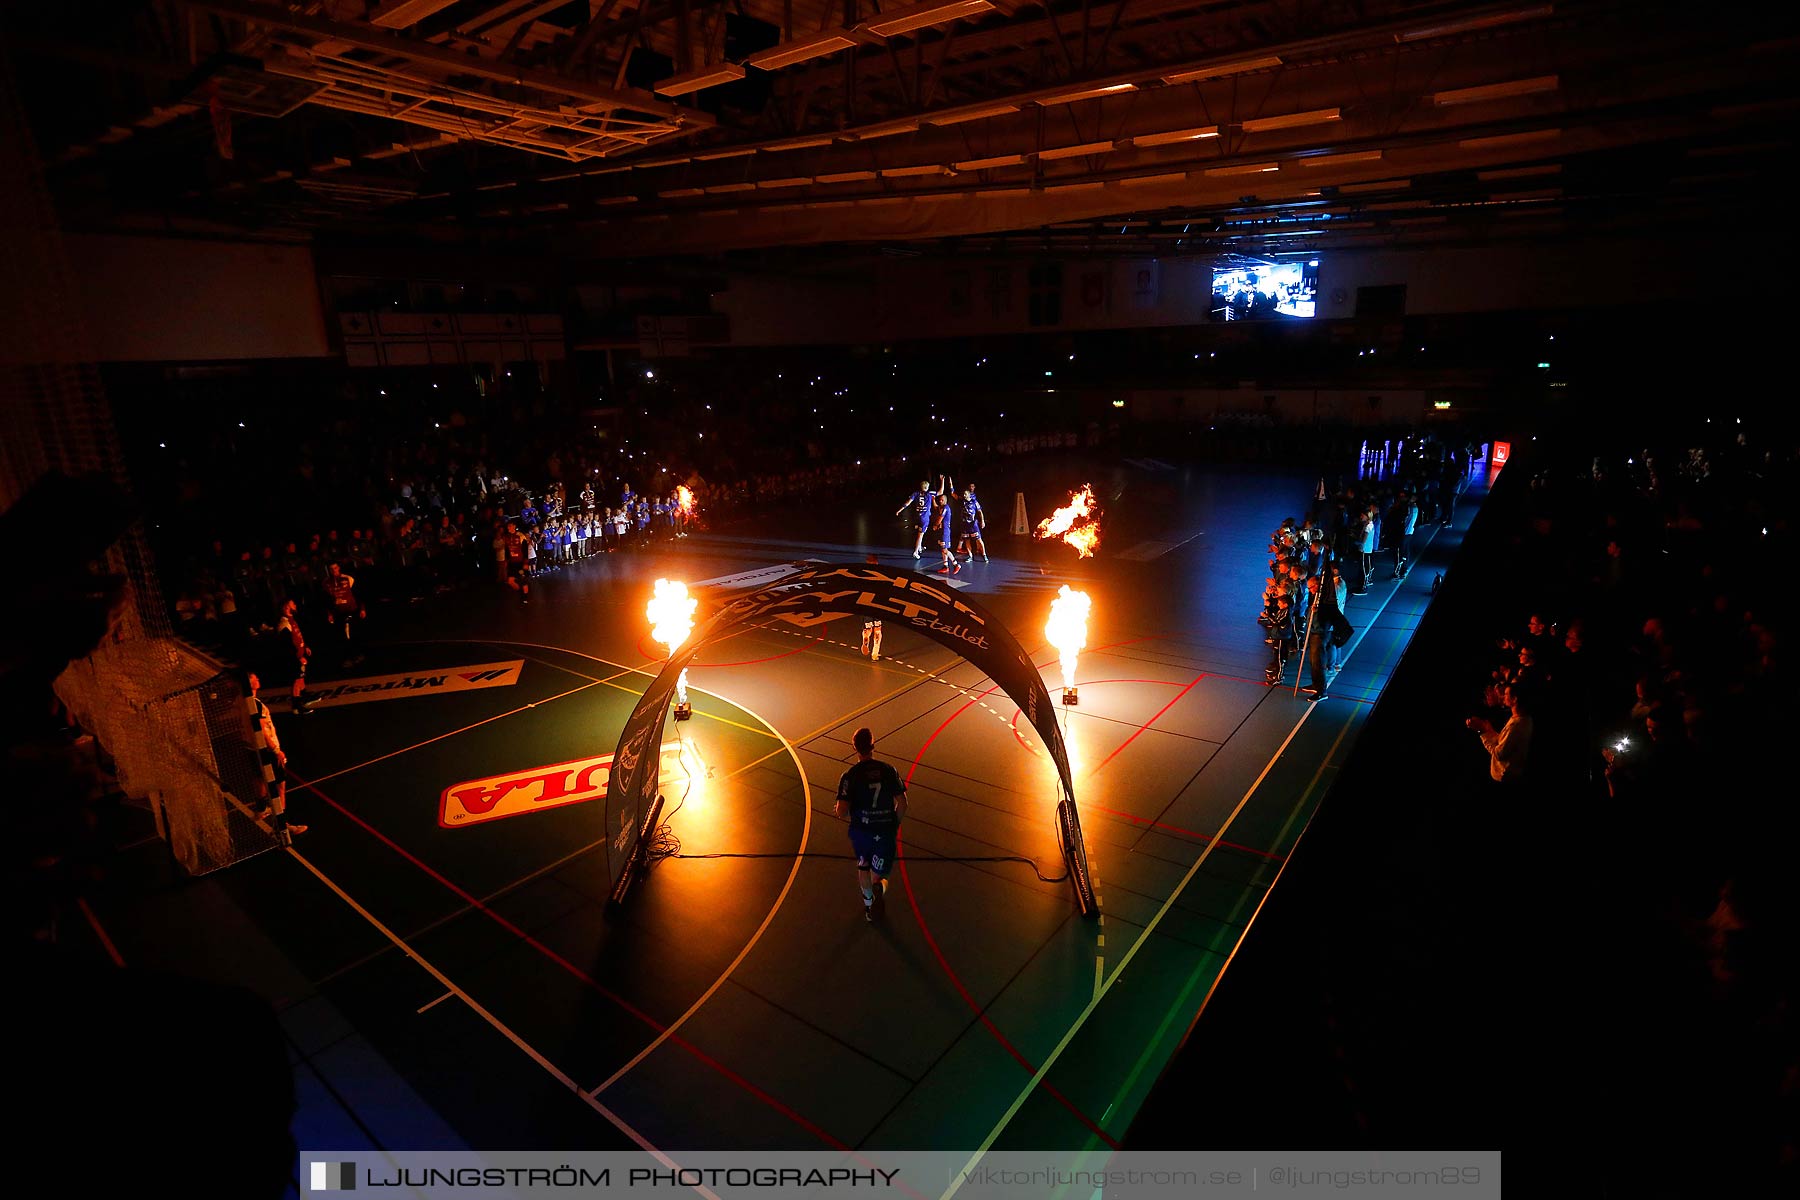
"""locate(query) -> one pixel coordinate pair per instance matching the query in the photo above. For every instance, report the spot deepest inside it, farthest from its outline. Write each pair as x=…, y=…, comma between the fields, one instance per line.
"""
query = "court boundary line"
x=980, y=1010
x=1088, y=1011
x=498, y=1025
x=457, y=914
x=1141, y=940
x=664, y=1032
x=530, y=940
x=1211, y=951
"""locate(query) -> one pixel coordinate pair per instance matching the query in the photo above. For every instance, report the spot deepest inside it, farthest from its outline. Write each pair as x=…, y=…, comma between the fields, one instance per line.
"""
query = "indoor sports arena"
x=1173, y=597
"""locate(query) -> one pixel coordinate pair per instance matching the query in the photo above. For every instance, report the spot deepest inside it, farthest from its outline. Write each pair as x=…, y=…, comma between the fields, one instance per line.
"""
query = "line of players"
x=955, y=520
x=1303, y=604
x=541, y=539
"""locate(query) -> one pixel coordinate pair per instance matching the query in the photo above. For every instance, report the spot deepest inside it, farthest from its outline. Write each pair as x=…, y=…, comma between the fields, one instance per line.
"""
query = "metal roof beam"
x=368, y=38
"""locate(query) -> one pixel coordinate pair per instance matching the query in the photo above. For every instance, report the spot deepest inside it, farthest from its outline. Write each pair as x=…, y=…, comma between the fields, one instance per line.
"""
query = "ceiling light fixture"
x=1497, y=91
x=988, y=164
x=1197, y=133
x=1091, y=93
x=971, y=114
x=1509, y=139
x=918, y=16
x=1245, y=169
x=1334, y=160
x=1317, y=116
x=884, y=129
x=786, y=54
x=698, y=80
x=804, y=143
x=1483, y=21
x=1080, y=151
x=1220, y=70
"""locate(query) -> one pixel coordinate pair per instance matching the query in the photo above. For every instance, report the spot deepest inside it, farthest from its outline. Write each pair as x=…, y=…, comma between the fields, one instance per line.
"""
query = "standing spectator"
x=518, y=561
x=1403, y=520
x=1509, y=746
x=1371, y=526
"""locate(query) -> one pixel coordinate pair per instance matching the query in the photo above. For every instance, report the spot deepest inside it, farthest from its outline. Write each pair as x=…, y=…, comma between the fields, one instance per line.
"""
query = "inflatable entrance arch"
x=907, y=598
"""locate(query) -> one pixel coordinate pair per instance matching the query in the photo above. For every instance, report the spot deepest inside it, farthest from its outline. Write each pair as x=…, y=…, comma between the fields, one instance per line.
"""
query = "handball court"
x=450, y=983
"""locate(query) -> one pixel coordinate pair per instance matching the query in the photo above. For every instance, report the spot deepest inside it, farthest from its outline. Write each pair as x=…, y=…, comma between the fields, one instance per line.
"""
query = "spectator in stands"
x=1508, y=747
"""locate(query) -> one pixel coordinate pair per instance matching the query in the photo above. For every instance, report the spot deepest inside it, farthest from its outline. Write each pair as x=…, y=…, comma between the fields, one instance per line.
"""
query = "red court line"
x=1014, y=723
x=1147, y=724
x=578, y=973
x=980, y=1013
x=1137, y=820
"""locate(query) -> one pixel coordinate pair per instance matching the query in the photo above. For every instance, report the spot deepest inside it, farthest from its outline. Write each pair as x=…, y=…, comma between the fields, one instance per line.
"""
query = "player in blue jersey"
x=944, y=515
x=972, y=520
x=921, y=502
x=873, y=799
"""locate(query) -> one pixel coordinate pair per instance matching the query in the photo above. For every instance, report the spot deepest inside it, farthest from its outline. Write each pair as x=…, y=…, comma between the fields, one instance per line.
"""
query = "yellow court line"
x=623, y=670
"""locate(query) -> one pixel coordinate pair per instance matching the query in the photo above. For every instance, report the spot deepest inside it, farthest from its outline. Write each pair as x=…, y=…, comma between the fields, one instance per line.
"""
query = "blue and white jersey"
x=972, y=515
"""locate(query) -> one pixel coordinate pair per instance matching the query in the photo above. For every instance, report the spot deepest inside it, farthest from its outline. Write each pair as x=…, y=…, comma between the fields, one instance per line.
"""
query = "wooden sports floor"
x=451, y=983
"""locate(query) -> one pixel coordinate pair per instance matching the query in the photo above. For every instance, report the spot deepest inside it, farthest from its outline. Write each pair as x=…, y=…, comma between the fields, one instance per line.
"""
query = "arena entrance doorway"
x=923, y=604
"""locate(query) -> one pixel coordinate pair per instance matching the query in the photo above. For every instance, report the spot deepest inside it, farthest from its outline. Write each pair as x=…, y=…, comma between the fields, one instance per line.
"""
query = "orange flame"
x=1067, y=628
x=684, y=499
x=1077, y=523
x=671, y=613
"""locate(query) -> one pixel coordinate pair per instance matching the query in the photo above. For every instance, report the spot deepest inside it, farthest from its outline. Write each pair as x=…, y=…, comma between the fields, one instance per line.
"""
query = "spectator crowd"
x=1642, y=700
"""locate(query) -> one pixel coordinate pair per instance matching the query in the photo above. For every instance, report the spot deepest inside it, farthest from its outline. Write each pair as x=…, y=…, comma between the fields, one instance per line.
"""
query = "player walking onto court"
x=872, y=798
x=921, y=503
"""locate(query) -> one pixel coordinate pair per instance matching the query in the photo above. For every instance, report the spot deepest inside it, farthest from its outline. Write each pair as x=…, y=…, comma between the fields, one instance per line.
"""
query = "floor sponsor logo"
x=759, y=577
x=537, y=789
x=416, y=683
